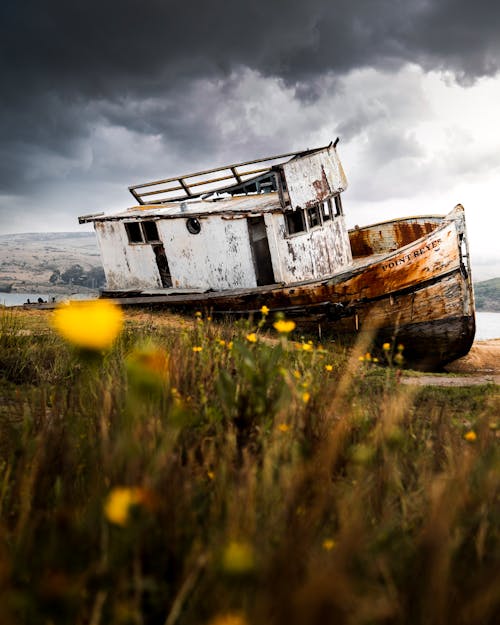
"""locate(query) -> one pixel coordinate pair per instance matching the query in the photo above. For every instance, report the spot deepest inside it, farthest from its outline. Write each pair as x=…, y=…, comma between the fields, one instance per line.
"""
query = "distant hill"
x=487, y=295
x=52, y=262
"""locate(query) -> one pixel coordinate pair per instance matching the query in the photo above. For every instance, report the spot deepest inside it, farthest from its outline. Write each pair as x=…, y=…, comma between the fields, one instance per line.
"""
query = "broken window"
x=326, y=207
x=338, y=205
x=150, y=232
x=134, y=232
x=313, y=216
x=295, y=221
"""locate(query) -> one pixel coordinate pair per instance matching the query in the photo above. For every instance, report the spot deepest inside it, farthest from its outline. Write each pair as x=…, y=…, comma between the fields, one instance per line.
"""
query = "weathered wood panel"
x=313, y=178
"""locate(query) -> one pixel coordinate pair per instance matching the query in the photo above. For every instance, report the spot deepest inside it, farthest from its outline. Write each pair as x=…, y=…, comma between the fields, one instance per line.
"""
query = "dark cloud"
x=161, y=67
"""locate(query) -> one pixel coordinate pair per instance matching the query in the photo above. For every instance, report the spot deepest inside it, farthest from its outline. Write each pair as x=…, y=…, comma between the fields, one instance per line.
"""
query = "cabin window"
x=326, y=210
x=134, y=232
x=313, y=216
x=338, y=206
x=193, y=225
x=150, y=232
x=295, y=221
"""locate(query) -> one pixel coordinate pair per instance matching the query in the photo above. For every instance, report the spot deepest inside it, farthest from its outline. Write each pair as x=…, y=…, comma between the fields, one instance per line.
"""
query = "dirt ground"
x=480, y=366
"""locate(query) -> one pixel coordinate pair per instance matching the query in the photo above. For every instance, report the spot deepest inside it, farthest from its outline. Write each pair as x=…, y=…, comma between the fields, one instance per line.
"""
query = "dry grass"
x=240, y=483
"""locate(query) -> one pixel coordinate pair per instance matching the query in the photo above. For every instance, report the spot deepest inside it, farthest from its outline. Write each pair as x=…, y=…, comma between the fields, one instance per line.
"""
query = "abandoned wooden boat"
x=272, y=232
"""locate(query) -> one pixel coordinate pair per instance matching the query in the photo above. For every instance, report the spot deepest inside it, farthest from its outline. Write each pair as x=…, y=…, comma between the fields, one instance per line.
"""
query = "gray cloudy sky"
x=98, y=95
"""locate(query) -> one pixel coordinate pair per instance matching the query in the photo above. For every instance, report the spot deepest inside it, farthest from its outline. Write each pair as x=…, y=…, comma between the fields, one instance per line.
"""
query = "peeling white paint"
x=314, y=177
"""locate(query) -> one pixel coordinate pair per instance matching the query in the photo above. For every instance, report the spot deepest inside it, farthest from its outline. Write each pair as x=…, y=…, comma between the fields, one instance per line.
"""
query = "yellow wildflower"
x=252, y=337
x=118, y=504
x=222, y=342
x=329, y=367
x=361, y=358
x=398, y=359
x=368, y=356
x=230, y=345
x=210, y=475
x=471, y=436
x=328, y=544
x=283, y=326
x=264, y=310
x=91, y=325
x=296, y=374
x=401, y=347
x=306, y=397
x=197, y=348
x=307, y=347
x=386, y=347
x=197, y=314
x=283, y=427
x=147, y=366
x=238, y=557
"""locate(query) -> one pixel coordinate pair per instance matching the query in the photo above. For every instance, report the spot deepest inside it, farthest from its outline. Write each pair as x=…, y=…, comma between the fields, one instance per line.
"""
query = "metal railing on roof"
x=200, y=183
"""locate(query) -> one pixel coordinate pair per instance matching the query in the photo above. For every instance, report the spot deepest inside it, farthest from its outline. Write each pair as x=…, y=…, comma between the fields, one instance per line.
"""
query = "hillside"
x=487, y=295
x=55, y=262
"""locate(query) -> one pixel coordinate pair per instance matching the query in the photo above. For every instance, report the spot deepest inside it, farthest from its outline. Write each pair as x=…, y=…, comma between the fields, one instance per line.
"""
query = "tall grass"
x=195, y=473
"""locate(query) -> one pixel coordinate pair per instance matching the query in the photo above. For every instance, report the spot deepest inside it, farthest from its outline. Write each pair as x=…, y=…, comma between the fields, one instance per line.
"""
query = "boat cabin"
x=268, y=221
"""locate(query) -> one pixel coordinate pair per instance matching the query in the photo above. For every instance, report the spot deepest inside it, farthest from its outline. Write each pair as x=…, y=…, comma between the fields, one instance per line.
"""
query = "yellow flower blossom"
x=230, y=345
x=329, y=367
x=238, y=557
x=252, y=337
x=328, y=544
x=264, y=310
x=197, y=348
x=210, y=475
x=471, y=436
x=361, y=358
x=283, y=326
x=307, y=347
x=197, y=314
x=306, y=397
x=297, y=374
x=148, y=365
x=283, y=427
x=386, y=347
x=222, y=342
x=368, y=356
x=118, y=503
x=90, y=325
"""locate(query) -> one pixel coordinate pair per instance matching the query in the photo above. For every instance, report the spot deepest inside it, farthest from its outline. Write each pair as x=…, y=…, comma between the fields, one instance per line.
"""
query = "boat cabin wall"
x=314, y=253
x=217, y=257
x=125, y=266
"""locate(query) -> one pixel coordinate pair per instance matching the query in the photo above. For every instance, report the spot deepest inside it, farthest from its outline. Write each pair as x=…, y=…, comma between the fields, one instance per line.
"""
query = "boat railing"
x=227, y=178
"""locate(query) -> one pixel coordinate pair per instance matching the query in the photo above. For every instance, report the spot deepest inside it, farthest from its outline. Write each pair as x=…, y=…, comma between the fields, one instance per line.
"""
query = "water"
x=17, y=299
x=487, y=323
x=487, y=326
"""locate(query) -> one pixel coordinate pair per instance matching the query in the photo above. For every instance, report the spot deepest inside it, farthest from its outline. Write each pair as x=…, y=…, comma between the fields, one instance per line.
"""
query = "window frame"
x=287, y=214
x=145, y=240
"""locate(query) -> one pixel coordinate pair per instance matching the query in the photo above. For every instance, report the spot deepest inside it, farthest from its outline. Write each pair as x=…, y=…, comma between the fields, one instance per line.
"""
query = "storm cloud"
x=103, y=93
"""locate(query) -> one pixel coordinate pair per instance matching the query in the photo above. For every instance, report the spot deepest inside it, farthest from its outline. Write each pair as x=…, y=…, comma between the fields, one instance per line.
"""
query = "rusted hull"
x=414, y=287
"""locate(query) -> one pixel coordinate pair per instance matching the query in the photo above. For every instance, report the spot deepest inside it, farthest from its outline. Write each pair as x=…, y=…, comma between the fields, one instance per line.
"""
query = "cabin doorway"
x=260, y=251
x=162, y=264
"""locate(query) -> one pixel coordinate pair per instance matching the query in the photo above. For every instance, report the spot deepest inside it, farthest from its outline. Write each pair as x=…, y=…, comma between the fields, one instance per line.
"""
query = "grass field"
x=228, y=474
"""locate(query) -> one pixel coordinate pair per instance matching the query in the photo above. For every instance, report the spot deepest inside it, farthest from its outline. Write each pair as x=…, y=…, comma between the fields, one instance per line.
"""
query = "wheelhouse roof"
x=240, y=205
